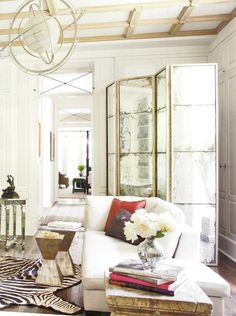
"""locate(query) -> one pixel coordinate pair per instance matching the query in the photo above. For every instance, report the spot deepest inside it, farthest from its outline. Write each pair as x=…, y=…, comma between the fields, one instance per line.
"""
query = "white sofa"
x=101, y=252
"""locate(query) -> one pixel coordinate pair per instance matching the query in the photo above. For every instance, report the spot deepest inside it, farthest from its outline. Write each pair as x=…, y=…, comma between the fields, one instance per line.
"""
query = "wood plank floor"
x=226, y=268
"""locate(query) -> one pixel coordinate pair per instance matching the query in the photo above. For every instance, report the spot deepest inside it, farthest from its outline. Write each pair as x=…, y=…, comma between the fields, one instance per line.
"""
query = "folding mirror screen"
x=162, y=141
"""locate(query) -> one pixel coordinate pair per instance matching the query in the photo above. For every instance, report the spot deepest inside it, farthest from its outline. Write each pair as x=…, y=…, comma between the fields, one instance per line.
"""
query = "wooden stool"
x=64, y=259
x=49, y=244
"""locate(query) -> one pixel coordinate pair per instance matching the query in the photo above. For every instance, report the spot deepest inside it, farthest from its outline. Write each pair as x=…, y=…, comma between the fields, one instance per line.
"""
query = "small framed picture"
x=52, y=146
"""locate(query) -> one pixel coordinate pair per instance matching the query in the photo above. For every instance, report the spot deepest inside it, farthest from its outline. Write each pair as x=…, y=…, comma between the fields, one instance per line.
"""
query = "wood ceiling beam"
x=146, y=22
x=133, y=20
x=184, y=14
x=227, y=19
x=206, y=18
x=87, y=39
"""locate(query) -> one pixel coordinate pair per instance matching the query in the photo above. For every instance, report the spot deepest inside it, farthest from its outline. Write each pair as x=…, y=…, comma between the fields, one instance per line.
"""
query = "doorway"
x=66, y=107
x=74, y=163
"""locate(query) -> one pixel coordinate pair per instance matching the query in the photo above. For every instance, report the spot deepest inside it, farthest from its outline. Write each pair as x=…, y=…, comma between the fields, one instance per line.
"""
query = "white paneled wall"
x=223, y=51
x=18, y=148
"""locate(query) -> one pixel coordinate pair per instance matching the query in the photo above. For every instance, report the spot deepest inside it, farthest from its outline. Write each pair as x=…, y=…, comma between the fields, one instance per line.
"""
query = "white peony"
x=146, y=228
x=166, y=222
x=146, y=225
x=139, y=216
x=129, y=231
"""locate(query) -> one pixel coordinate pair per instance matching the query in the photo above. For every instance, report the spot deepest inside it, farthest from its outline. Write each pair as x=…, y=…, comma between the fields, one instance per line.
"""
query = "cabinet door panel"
x=232, y=133
x=222, y=136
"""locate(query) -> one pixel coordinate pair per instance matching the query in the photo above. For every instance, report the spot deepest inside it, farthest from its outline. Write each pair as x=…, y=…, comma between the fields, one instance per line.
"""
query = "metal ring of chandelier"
x=41, y=36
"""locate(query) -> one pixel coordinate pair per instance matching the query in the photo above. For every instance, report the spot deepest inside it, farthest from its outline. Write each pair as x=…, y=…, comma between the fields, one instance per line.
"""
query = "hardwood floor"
x=226, y=268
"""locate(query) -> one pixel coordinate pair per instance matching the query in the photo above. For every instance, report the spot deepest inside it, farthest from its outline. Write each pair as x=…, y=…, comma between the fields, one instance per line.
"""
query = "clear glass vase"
x=150, y=252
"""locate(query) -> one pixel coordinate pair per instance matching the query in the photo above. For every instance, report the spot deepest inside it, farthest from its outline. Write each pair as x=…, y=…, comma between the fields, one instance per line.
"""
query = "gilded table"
x=10, y=206
x=189, y=301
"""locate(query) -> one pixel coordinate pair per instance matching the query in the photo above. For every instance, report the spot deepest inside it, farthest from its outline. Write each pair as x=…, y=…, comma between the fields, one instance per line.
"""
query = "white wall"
x=48, y=166
x=18, y=134
x=223, y=51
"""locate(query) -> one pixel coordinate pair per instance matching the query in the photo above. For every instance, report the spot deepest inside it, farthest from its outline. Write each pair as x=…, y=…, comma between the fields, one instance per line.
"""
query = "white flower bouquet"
x=148, y=224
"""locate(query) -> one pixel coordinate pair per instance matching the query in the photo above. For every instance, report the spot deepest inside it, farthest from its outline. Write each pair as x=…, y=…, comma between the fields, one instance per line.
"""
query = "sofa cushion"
x=116, y=227
x=208, y=280
x=118, y=205
x=99, y=253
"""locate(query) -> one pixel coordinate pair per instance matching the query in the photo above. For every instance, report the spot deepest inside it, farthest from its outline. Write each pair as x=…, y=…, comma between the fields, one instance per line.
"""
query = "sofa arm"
x=189, y=244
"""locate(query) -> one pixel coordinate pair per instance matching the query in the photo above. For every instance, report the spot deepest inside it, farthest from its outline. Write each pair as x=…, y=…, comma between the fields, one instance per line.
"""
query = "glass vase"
x=150, y=252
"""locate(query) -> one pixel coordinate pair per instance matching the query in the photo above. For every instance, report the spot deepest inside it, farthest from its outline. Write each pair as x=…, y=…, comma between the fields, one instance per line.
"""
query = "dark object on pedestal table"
x=9, y=192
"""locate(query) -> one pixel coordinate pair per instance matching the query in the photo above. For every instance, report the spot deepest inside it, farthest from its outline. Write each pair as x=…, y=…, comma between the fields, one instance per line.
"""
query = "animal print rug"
x=18, y=287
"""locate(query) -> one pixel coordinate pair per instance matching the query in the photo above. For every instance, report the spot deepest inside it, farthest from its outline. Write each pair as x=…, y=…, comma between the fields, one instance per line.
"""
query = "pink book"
x=119, y=277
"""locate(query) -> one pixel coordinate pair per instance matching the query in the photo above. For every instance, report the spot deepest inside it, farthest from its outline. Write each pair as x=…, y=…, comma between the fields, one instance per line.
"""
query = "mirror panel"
x=194, y=180
x=136, y=137
x=161, y=139
x=111, y=140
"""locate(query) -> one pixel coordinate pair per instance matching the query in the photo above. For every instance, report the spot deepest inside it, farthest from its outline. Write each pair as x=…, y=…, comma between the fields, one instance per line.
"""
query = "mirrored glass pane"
x=111, y=139
x=135, y=132
x=136, y=174
x=136, y=129
x=111, y=100
x=194, y=177
x=161, y=90
x=136, y=95
x=161, y=176
x=194, y=128
x=161, y=130
x=111, y=174
x=161, y=140
x=202, y=218
x=194, y=84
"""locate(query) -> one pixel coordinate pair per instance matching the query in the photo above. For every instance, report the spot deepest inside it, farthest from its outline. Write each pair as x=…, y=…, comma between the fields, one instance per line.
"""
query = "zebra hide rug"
x=18, y=287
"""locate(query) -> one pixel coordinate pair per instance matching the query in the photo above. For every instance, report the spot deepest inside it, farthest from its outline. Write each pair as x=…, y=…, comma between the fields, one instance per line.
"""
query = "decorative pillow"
x=117, y=205
x=116, y=227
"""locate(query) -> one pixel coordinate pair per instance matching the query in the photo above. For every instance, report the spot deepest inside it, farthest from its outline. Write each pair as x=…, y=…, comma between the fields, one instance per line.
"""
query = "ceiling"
x=112, y=20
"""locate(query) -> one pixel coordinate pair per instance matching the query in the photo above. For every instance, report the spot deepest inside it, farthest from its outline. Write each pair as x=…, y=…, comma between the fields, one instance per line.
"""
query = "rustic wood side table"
x=189, y=301
x=63, y=258
x=10, y=205
x=49, y=245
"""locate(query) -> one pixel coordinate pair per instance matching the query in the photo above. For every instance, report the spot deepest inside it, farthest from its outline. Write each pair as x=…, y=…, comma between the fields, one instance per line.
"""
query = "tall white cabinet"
x=223, y=51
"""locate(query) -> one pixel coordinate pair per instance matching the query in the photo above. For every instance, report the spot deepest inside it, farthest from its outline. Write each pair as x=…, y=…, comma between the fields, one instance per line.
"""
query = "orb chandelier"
x=38, y=29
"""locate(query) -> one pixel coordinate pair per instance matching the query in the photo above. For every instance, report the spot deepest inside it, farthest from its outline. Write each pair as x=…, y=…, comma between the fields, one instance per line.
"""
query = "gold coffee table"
x=189, y=301
x=49, y=244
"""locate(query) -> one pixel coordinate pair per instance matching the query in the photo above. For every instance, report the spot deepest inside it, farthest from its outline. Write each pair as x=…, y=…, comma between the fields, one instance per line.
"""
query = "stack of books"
x=165, y=279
